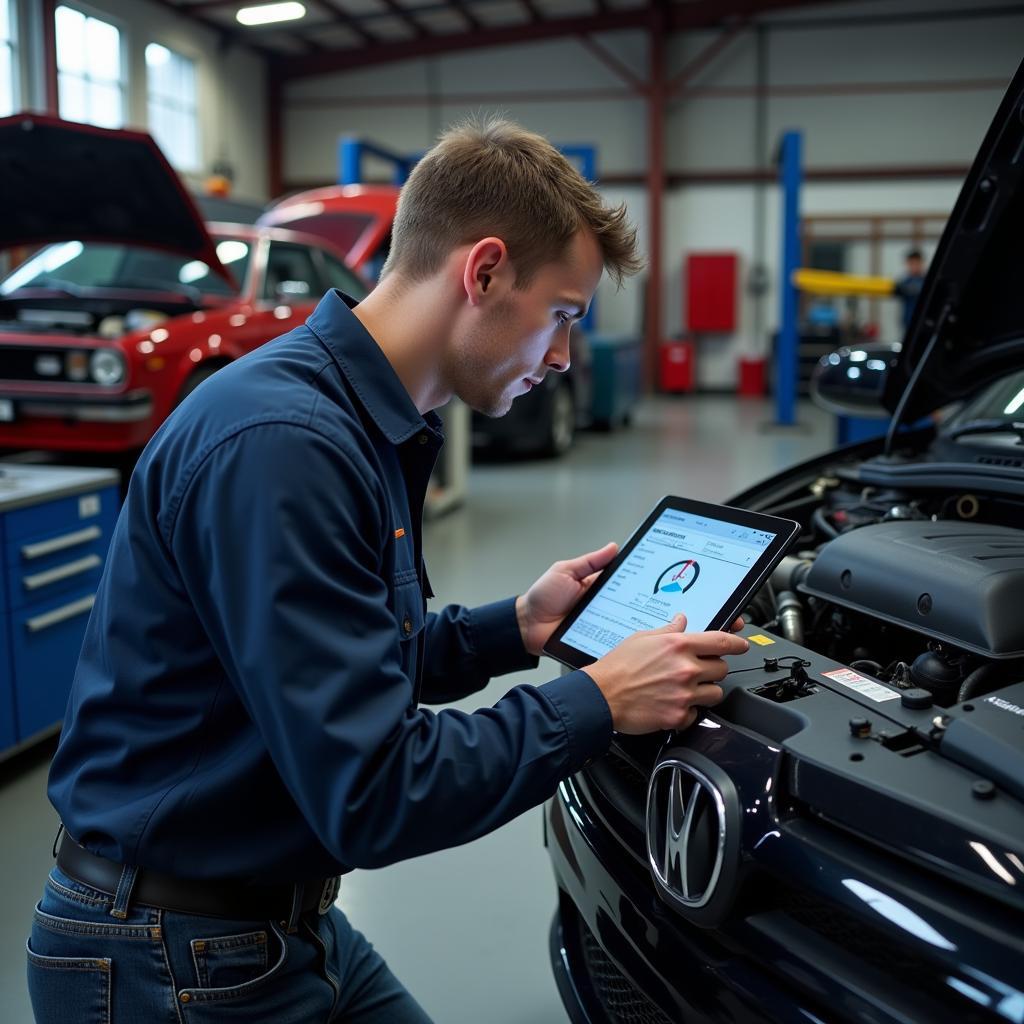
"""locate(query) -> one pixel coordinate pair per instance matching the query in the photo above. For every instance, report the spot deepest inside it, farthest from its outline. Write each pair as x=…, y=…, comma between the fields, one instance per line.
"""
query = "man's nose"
x=558, y=357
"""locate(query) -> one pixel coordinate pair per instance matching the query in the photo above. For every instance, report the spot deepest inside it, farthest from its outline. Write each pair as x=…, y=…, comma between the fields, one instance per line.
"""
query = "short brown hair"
x=493, y=177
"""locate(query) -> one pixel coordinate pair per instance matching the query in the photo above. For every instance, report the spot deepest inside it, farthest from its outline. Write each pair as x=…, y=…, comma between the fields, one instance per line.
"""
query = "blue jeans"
x=161, y=967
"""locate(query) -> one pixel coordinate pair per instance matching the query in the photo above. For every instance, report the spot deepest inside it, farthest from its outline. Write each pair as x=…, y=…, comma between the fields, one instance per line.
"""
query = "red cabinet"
x=711, y=285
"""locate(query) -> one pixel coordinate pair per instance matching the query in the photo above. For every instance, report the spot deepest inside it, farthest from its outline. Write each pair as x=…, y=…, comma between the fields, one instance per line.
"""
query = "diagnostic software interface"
x=684, y=563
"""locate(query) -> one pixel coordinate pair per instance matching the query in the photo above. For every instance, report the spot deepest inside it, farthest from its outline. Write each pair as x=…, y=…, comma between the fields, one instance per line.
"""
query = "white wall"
x=231, y=84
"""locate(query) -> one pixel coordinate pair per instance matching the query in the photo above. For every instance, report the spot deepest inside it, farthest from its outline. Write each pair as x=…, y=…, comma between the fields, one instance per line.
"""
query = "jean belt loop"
x=124, y=891
x=56, y=839
x=296, y=913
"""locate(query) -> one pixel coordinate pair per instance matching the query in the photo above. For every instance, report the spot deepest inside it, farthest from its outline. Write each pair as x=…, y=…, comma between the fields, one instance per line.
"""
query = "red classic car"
x=134, y=301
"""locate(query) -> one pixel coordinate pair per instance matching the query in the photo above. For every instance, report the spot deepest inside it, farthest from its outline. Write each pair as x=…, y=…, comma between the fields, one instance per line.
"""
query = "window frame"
x=11, y=44
x=124, y=54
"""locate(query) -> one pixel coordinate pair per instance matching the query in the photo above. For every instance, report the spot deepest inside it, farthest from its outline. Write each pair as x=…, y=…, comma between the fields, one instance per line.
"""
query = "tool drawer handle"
x=67, y=540
x=61, y=572
x=69, y=611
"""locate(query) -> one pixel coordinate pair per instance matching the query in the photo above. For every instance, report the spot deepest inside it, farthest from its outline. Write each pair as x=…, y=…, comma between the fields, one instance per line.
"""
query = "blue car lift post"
x=790, y=178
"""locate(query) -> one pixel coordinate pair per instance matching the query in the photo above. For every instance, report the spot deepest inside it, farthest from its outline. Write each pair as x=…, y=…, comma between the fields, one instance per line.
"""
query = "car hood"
x=61, y=180
x=971, y=298
x=355, y=219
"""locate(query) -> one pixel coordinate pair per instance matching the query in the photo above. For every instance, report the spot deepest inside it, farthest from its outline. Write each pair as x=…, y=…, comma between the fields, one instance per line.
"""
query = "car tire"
x=561, y=422
x=196, y=378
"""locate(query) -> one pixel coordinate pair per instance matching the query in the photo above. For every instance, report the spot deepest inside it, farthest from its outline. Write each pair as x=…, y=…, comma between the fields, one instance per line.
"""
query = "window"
x=341, y=277
x=8, y=64
x=173, y=120
x=90, y=75
x=291, y=275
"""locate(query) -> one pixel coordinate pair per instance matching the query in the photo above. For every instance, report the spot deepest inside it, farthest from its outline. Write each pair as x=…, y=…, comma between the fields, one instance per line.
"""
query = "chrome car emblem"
x=686, y=832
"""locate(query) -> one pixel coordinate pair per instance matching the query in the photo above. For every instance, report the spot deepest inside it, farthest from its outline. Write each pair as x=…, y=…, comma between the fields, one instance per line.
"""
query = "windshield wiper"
x=51, y=284
x=988, y=426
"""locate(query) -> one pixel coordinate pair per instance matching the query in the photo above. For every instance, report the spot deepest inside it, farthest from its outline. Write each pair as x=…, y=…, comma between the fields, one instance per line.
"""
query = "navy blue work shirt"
x=247, y=699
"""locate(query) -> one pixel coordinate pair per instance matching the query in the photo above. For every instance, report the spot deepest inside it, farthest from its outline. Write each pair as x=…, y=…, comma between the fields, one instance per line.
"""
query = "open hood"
x=61, y=181
x=972, y=302
x=355, y=219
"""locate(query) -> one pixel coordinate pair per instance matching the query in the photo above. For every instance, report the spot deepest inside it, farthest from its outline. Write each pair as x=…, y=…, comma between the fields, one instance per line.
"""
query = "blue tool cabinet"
x=55, y=527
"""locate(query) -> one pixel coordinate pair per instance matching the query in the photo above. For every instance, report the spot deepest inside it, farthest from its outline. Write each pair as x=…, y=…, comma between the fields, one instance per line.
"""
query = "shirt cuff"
x=497, y=640
x=585, y=714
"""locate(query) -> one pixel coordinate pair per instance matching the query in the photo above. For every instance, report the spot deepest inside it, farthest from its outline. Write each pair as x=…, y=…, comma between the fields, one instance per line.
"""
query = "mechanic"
x=908, y=288
x=244, y=726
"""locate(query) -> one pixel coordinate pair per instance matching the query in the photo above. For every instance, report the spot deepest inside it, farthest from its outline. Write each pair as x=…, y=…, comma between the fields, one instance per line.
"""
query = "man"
x=908, y=287
x=245, y=724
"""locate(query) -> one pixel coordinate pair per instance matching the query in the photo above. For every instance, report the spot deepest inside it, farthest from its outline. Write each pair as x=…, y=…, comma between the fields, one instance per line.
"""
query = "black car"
x=842, y=839
x=545, y=421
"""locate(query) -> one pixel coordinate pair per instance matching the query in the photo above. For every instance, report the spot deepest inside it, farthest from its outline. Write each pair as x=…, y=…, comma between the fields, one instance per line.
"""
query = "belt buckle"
x=329, y=894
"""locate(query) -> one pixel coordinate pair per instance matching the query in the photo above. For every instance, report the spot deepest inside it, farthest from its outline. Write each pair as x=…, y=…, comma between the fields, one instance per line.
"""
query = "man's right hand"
x=658, y=679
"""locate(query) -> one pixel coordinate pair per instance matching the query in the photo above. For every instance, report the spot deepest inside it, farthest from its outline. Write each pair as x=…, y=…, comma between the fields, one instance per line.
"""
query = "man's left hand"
x=548, y=601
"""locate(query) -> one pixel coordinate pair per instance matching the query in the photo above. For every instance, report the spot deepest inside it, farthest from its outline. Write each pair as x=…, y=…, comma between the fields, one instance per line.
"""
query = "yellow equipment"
x=830, y=282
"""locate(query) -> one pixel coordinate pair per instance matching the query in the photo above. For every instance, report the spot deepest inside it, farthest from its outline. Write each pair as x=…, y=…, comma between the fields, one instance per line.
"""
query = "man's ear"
x=487, y=265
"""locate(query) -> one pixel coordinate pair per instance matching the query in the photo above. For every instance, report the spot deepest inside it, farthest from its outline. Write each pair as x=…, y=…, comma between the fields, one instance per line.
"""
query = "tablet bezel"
x=785, y=530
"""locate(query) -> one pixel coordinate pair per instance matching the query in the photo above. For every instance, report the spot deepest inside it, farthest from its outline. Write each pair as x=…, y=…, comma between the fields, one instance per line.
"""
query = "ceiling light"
x=268, y=14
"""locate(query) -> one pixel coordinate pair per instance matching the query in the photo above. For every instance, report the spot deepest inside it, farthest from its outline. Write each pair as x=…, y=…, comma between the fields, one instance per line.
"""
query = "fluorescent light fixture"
x=268, y=14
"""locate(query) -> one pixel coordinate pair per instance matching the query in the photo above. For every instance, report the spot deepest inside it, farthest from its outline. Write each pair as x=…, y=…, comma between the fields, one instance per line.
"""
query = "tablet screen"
x=683, y=563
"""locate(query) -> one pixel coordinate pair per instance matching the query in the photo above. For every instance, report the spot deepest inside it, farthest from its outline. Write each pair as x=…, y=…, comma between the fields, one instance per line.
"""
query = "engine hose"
x=818, y=516
x=790, y=613
x=973, y=683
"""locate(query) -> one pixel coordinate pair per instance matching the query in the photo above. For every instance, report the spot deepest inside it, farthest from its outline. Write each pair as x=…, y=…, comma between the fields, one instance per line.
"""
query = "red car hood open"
x=355, y=219
x=60, y=180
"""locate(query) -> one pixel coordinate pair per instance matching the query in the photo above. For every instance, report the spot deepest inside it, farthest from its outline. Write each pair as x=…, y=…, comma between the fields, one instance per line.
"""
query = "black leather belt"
x=207, y=898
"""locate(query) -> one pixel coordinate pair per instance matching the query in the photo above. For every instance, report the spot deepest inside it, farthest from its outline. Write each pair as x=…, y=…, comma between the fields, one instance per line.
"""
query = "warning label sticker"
x=760, y=639
x=864, y=686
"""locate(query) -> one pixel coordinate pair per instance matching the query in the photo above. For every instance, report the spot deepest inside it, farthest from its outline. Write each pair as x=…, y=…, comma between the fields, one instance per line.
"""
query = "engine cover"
x=958, y=582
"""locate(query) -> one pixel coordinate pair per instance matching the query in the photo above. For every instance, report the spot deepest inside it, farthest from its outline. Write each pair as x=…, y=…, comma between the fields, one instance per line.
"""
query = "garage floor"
x=466, y=930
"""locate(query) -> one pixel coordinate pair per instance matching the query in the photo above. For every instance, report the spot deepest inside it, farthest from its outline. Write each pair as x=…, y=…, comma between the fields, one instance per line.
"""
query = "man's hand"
x=658, y=678
x=548, y=601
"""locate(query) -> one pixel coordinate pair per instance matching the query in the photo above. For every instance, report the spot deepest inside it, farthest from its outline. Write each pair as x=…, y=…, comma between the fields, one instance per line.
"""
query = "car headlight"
x=107, y=367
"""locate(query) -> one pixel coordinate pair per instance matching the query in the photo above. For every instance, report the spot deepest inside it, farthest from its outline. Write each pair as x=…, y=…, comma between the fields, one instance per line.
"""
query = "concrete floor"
x=466, y=929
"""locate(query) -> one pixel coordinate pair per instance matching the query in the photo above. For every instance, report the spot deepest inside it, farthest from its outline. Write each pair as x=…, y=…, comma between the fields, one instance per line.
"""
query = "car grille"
x=622, y=1000
x=18, y=362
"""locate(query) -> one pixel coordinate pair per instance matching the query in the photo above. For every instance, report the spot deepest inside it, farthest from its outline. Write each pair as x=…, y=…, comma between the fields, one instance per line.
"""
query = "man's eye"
x=563, y=318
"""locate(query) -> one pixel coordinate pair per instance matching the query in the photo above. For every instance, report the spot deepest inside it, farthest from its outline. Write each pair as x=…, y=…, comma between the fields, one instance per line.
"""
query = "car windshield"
x=1001, y=402
x=80, y=266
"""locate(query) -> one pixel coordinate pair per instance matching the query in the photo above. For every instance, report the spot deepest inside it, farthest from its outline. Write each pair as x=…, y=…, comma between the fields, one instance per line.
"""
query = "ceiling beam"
x=693, y=14
x=321, y=64
x=612, y=62
x=531, y=8
x=226, y=33
x=343, y=17
x=706, y=56
x=471, y=19
x=405, y=16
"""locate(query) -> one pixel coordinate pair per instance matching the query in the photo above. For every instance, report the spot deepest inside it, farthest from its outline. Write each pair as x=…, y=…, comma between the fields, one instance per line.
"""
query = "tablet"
x=703, y=560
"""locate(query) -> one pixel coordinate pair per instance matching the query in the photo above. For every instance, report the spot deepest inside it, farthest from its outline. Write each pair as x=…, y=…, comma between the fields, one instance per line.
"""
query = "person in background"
x=908, y=287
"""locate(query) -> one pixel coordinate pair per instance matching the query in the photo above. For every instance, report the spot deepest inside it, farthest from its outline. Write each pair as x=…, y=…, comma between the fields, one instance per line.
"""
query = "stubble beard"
x=474, y=373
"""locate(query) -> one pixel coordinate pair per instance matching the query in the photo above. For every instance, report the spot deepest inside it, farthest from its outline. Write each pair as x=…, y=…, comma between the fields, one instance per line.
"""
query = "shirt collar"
x=372, y=377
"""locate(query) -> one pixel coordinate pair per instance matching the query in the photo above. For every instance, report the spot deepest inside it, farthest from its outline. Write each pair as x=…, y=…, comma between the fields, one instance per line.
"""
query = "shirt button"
x=423, y=439
x=407, y=626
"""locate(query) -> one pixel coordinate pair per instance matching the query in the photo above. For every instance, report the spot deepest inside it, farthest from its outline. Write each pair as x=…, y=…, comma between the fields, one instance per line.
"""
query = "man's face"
x=520, y=337
x=915, y=266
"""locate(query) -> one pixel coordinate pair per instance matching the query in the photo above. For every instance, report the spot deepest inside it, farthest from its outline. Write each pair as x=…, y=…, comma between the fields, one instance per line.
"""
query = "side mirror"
x=851, y=380
x=289, y=291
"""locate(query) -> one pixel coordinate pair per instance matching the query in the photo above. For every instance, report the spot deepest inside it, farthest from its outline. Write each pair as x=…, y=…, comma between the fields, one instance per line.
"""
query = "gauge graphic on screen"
x=678, y=578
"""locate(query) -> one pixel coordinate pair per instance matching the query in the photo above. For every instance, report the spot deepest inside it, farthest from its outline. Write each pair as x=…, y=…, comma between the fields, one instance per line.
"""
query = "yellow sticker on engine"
x=760, y=639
